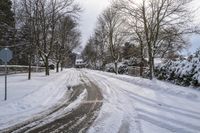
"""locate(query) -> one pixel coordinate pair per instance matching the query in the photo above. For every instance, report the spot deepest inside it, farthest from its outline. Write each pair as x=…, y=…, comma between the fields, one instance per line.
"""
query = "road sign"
x=6, y=55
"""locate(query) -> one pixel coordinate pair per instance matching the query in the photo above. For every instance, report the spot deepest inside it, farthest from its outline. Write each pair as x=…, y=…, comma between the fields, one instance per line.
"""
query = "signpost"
x=6, y=55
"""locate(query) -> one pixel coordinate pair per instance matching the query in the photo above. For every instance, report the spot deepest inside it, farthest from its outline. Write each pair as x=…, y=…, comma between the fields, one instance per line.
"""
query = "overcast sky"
x=93, y=8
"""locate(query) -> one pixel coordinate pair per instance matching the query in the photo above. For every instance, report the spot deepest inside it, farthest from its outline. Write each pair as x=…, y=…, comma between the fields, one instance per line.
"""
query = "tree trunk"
x=57, y=67
x=142, y=60
x=29, y=68
x=116, y=68
x=103, y=66
x=61, y=66
x=46, y=66
x=153, y=67
x=150, y=62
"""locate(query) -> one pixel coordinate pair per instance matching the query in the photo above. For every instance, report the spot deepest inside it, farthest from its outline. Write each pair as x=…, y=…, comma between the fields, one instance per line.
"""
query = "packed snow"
x=29, y=97
x=139, y=105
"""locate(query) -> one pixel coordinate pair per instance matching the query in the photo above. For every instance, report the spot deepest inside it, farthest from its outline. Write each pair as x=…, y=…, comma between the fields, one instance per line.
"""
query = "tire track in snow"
x=175, y=121
x=165, y=89
x=74, y=120
x=121, y=119
x=163, y=106
x=170, y=127
x=165, y=122
x=38, y=119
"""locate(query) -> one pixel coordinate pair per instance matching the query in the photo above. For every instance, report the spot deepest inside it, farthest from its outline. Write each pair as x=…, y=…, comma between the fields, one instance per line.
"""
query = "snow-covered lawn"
x=137, y=105
x=26, y=98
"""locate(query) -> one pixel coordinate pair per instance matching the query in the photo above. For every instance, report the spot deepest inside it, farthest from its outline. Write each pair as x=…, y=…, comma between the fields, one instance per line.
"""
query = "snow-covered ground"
x=139, y=105
x=26, y=98
x=130, y=104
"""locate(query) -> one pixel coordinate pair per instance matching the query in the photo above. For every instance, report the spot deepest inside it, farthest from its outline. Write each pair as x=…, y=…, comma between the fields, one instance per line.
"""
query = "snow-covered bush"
x=132, y=61
x=122, y=68
x=126, y=66
x=183, y=72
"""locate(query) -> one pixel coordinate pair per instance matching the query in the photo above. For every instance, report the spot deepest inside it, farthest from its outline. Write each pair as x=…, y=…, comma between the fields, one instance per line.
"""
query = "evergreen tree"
x=7, y=22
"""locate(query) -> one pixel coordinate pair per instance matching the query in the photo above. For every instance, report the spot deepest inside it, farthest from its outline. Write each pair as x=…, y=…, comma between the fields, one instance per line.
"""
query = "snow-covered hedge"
x=122, y=68
x=128, y=66
x=184, y=72
x=123, y=65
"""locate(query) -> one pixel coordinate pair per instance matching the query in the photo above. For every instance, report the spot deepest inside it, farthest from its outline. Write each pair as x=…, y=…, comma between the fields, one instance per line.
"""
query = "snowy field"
x=26, y=98
x=130, y=104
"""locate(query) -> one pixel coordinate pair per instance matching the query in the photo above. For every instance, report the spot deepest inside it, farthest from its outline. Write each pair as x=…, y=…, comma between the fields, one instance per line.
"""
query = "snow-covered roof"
x=79, y=60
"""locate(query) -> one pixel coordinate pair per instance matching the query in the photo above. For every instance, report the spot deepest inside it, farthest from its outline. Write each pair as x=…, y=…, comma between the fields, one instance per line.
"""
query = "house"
x=79, y=63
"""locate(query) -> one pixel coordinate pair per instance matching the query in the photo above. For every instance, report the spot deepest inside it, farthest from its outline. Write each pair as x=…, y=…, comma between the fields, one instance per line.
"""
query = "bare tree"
x=96, y=49
x=29, y=19
x=44, y=17
x=67, y=40
x=113, y=25
x=135, y=31
x=102, y=43
x=155, y=18
x=90, y=52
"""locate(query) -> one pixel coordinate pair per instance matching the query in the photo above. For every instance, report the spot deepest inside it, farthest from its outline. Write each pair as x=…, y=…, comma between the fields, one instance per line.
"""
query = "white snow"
x=139, y=105
x=130, y=104
x=60, y=113
x=27, y=98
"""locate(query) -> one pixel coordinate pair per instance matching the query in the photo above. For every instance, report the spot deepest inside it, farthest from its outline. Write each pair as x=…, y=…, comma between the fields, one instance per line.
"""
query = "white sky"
x=93, y=8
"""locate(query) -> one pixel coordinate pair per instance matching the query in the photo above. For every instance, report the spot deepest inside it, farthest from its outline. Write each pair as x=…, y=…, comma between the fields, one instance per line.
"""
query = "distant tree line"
x=142, y=29
x=40, y=31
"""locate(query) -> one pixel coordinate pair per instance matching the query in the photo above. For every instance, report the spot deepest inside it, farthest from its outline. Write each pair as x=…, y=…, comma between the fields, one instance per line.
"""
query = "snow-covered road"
x=53, y=108
x=138, y=105
x=28, y=98
x=129, y=104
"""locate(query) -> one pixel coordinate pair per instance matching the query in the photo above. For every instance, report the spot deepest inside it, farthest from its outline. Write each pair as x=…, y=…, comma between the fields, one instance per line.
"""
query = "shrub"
x=182, y=72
